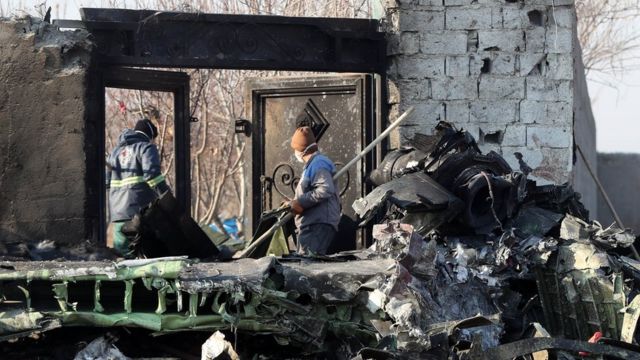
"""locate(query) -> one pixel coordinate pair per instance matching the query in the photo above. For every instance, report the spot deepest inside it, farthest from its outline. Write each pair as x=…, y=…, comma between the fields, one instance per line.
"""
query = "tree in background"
x=608, y=34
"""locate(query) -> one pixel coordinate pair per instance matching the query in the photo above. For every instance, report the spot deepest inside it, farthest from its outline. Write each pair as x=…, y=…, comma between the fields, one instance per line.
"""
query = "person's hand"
x=296, y=208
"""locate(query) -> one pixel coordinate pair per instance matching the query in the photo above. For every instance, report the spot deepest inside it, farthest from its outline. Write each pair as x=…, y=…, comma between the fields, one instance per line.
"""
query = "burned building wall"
x=504, y=70
x=42, y=141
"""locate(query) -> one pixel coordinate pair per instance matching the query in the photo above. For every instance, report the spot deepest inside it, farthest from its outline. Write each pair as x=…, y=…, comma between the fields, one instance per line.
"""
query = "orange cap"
x=302, y=138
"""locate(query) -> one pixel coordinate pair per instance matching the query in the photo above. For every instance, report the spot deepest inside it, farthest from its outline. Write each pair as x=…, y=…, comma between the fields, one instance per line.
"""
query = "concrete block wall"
x=42, y=141
x=502, y=69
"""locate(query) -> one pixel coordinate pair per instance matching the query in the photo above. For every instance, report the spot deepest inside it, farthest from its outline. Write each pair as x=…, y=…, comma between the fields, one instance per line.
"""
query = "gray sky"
x=617, y=110
x=617, y=113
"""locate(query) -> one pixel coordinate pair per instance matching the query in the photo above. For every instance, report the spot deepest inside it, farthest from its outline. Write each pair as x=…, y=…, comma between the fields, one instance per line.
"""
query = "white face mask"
x=299, y=155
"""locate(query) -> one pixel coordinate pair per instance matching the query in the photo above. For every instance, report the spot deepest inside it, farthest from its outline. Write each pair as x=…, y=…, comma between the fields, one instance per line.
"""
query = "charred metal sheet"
x=101, y=348
x=395, y=164
x=333, y=282
x=428, y=204
x=163, y=229
x=171, y=39
x=573, y=228
x=299, y=301
x=239, y=274
x=484, y=184
x=476, y=331
x=557, y=198
x=536, y=221
x=399, y=242
x=577, y=295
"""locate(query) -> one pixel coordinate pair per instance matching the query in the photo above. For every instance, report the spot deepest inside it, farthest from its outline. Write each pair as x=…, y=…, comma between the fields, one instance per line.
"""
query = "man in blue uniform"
x=134, y=178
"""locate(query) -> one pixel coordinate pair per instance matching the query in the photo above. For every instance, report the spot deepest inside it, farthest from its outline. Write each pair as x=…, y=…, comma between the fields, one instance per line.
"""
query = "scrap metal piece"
x=399, y=242
x=340, y=282
x=396, y=164
x=163, y=229
x=577, y=296
x=532, y=220
x=630, y=321
x=427, y=204
x=535, y=250
x=557, y=198
x=463, y=163
x=630, y=266
x=15, y=324
x=573, y=228
x=613, y=237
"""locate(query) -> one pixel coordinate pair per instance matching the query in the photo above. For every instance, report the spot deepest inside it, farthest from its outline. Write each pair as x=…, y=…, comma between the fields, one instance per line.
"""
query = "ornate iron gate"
x=340, y=110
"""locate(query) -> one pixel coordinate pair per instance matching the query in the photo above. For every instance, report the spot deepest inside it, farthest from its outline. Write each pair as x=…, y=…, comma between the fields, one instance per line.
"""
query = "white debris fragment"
x=215, y=346
x=376, y=300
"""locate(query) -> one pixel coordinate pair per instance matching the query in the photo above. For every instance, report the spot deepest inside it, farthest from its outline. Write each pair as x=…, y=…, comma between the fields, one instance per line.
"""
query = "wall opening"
x=494, y=137
x=486, y=66
x=536, y=18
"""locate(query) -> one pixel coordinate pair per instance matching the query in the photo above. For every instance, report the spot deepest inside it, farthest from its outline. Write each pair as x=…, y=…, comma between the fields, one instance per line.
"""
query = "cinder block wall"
x=502, y=69
x=42, y=142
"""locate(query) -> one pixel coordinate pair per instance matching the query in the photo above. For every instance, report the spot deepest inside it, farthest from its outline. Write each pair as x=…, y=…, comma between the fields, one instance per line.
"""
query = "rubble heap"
x=486, y=256
x=470, y=260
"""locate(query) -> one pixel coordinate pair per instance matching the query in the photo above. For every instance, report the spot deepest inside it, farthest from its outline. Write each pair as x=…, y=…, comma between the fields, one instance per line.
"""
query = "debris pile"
x=485, y=254
x=470, y=260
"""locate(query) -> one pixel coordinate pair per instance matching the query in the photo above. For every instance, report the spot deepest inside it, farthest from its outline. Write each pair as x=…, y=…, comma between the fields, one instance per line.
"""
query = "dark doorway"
x=341, y=111
x=176, y=83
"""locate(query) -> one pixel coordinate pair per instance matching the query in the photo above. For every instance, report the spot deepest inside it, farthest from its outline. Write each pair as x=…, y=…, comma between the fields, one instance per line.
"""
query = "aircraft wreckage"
x=470, y=260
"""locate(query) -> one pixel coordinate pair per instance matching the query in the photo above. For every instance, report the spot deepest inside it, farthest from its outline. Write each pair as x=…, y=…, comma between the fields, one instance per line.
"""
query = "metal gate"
x=340, y=109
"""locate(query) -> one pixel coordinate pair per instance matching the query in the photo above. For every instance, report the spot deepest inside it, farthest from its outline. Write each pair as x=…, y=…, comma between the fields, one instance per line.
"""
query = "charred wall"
x=43, y=163
x=503, y=70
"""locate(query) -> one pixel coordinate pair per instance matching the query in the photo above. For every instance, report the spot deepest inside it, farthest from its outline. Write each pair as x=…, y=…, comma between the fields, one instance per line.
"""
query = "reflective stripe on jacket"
x=134, y=178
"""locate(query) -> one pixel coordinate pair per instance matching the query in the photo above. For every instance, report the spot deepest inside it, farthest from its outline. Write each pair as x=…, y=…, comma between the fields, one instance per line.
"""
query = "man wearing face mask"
x=316, y=202
x=134, y=178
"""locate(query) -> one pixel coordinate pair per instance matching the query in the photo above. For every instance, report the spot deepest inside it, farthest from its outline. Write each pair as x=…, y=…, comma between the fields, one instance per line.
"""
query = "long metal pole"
x=606, y=198
x=289, y=216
